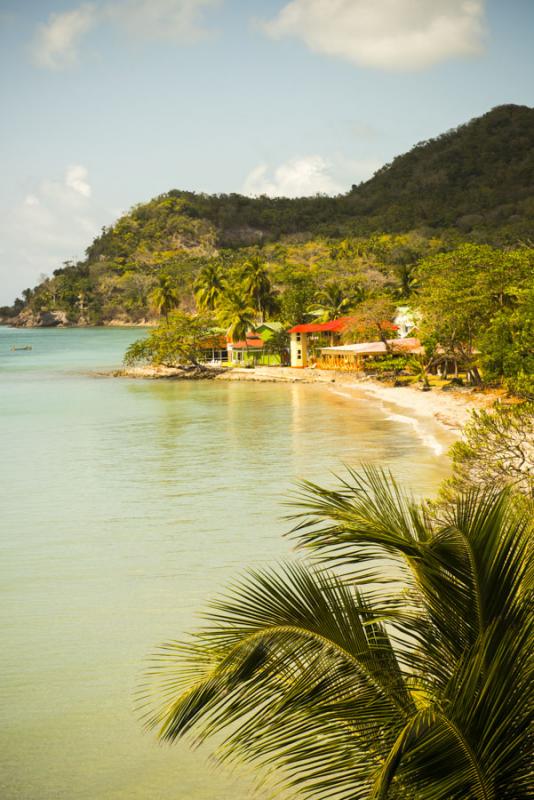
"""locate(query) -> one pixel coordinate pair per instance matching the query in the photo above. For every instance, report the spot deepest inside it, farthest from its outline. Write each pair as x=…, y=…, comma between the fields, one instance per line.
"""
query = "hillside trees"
x=296, y=299
x=336, y=300
x=478, y=298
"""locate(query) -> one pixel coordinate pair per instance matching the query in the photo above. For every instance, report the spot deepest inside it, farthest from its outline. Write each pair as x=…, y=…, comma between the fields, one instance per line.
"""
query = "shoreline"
x=451, y=409
x=112, y=323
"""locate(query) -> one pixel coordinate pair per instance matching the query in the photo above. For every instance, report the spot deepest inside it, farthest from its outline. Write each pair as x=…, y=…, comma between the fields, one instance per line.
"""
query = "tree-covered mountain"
x=474, y=183
x=477, y=179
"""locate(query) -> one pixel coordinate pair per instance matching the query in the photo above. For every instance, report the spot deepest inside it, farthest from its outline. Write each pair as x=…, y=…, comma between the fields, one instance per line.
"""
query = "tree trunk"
x=474, y=375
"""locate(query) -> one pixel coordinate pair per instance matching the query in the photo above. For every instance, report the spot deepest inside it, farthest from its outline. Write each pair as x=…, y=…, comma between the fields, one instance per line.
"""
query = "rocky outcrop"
x=40, y=319
x=191, y=372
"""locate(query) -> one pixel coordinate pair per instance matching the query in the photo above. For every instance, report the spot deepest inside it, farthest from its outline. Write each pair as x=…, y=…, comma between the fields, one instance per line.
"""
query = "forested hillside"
x=475, y=183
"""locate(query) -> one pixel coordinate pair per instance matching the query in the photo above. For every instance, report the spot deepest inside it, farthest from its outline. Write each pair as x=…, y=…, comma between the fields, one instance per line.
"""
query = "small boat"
x=24, y=347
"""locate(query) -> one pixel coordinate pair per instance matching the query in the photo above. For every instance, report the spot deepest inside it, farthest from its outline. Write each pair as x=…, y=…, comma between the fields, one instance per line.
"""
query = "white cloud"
x=56, y=43
x=76, y=179
x=177, y=20
x=299, y=177
x=54, y=222
x=308, y=175
x=385, y=34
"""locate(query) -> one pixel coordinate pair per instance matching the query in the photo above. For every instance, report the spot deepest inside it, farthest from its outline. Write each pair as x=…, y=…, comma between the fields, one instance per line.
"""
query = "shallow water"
x=125, y=505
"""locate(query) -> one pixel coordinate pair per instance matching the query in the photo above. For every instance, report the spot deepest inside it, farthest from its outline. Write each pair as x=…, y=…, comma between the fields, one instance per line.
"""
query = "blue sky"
x=108, y=103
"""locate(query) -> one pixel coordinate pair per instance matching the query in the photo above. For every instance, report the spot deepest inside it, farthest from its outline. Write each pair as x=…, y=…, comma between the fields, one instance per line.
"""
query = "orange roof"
x=217, y=341
x=252, y=341
x=336, y=325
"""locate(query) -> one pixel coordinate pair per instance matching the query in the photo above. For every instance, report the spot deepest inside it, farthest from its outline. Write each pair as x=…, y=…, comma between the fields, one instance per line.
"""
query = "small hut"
x=354, y=356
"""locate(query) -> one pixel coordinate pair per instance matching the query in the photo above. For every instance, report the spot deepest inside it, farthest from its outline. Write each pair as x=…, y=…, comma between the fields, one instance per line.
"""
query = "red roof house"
x=334, y=326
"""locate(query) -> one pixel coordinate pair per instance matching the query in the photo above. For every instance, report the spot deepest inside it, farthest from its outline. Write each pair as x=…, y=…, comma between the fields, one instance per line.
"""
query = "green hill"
x=474, y=183
x=478, y=178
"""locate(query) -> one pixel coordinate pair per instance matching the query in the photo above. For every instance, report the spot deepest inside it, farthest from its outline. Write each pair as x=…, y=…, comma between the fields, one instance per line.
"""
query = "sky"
x=108, y=103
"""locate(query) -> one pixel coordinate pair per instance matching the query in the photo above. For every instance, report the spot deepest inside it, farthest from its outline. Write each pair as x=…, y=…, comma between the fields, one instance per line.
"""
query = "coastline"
x=451, y=408
x=61, y=322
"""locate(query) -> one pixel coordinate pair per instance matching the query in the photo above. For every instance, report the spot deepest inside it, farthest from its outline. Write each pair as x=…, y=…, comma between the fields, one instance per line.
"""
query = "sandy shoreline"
x=451, y=409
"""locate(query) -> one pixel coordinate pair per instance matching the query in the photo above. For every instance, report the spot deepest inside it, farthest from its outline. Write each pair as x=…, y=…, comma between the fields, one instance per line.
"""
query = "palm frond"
x=303, y=651
x=355, y=680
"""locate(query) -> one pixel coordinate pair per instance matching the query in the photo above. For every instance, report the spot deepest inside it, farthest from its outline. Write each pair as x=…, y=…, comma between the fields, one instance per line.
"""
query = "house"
x=353, y=356
x=267, y=329
x=214, y=349
x=255, y=349
x=240, y=352
x=308, y=338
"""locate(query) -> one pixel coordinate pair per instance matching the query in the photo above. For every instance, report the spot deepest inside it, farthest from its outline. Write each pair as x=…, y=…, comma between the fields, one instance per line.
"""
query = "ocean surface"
x=125, y=505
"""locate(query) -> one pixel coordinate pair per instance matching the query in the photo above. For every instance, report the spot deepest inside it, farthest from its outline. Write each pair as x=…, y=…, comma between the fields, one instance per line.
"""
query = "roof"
x=271, y=326
x=216, y=340
x=252, y=341
x=335, y=325
x=408, y=345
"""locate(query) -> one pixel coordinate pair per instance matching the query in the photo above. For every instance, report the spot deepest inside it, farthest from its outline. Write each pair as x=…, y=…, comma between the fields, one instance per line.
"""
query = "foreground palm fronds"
x=401, y=671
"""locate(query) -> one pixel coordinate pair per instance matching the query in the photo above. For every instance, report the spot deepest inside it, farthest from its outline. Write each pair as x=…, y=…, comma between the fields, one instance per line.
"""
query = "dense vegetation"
x=459, y=216
x=475, y=304
x=496, y=450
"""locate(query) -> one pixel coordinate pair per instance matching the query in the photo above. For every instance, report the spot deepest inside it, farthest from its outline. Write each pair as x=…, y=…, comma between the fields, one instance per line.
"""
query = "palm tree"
x=335, y=301
x=164, y=297
x=278, y=344
x=237, y=316
x=209, y=286
x=407, y=281
x=257, y=283
x=396, y=667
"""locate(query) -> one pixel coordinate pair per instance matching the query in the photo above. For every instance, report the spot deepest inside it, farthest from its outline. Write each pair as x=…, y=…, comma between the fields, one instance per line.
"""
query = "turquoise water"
x=125, y=504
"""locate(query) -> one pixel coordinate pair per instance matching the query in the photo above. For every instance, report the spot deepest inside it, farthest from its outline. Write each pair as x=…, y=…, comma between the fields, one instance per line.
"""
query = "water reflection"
x=125, y=505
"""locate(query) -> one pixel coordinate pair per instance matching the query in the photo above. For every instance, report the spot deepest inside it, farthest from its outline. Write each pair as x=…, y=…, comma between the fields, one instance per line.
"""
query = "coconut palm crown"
x=396, y=665
x=236, y=314
x=164, y=297
x=210, y=286
x=257, y=284
x=334, y=300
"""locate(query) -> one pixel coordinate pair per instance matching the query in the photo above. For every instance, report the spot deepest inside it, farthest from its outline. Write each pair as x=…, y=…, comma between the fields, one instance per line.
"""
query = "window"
x=299, y=353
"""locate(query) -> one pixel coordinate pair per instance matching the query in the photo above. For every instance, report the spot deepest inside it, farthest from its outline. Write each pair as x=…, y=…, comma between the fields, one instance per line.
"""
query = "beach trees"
x=164, y=297
x=496, y=449
x=395, y=667
x=372, y=318
x=278, y=344
x=236, y=314
x=179, y=342
x=209, y=286
x=477, y=302
x=257, y=285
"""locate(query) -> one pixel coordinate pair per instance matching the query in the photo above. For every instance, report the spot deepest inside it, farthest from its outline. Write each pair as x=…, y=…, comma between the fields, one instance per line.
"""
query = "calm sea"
x=124, y=506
